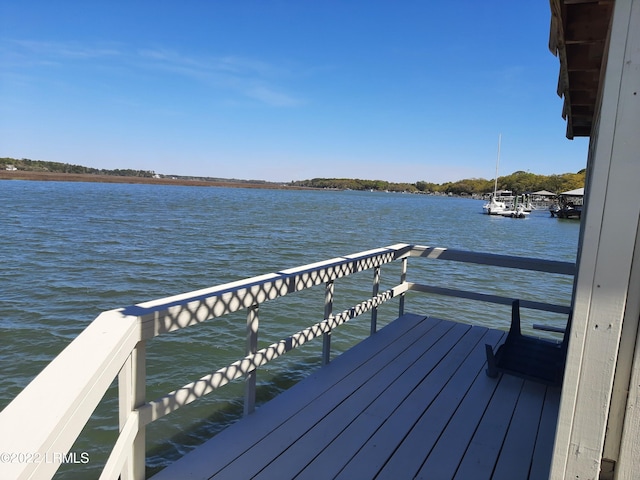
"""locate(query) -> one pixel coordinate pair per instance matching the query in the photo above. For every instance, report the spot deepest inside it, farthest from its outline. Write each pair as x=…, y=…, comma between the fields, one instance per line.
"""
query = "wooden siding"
x=413, y=400
x=596, y=421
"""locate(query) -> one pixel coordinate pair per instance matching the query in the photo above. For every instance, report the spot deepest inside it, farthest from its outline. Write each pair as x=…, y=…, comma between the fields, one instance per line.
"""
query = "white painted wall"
x=604, y=284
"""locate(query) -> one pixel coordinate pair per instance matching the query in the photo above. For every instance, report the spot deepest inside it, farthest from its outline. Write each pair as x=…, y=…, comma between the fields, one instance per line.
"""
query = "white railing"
x=49, y=414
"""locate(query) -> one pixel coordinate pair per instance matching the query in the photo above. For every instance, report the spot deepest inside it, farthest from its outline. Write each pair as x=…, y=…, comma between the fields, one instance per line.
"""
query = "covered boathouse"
x=441, y=416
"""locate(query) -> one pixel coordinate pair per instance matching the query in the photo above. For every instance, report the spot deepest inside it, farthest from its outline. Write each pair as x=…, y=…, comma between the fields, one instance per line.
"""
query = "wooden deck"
x=411, y=401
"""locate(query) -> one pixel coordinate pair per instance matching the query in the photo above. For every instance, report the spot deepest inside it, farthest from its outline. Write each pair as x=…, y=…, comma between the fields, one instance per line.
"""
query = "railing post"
x=376, y=290
x=252, y=348
x=132, y=386
x=403, y=279
x=328, y=310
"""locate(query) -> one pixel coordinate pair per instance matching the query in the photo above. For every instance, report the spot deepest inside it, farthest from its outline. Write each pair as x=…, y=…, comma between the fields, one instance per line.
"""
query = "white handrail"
x=44, y=420
x=118, y=457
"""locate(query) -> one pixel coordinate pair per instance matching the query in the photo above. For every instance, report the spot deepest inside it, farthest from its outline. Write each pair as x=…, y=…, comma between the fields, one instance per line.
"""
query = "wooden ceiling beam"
x=582, y=97
x=585, y=56
x=587, y=23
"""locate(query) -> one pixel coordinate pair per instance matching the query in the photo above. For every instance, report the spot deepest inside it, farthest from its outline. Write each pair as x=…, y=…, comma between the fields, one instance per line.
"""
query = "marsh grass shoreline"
x=83, y=177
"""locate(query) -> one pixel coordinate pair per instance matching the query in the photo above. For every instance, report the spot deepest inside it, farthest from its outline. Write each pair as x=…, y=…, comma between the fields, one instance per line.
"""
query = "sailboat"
x=495, y=207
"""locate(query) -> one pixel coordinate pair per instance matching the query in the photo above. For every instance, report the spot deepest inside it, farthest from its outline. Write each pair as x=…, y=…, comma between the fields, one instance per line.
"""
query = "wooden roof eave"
x=557, y=47
x=577, y=37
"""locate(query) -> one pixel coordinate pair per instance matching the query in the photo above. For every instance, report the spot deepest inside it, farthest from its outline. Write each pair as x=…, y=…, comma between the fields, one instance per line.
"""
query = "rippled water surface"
x=72, y=250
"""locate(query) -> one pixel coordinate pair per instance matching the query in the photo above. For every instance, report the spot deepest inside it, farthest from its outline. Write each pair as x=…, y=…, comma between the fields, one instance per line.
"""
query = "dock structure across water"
x=411, y=397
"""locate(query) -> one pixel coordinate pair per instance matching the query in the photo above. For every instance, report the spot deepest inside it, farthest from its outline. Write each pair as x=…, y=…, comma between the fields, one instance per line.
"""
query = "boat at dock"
x=508, y=205
x=521, y=207
x=497, y=204
x=503, y=202
x=494, y=206
x=569, y=204
x=518, y=212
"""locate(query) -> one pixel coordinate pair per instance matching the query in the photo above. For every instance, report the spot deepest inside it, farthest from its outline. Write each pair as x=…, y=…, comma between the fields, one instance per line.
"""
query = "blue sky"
x=285, y=90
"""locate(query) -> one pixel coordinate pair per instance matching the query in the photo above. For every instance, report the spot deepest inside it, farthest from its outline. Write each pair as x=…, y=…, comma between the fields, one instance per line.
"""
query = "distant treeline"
x=518, y=182
x=27, y=165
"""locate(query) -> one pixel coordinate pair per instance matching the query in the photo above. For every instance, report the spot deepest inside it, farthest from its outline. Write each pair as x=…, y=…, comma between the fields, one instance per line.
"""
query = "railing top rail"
x=179, y=311
x=172, y=313
x=497, y=260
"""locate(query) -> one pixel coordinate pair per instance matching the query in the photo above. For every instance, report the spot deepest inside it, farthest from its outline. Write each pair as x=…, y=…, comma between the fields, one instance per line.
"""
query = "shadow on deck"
x=411, y=401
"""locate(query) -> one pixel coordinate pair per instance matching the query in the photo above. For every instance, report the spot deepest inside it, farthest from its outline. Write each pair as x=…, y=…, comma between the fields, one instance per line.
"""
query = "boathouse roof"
x=577, y=36
x=578, y=192
x=544, y=193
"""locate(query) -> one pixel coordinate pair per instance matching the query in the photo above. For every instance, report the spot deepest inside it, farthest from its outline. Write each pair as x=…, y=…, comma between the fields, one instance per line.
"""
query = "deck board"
x=375, y=401
x=447, y=453
x=517, y=451
x=302, y=433
x=371, y=458
x=479, y=459
x=315, y=426
x=544, y=450
x=367, y=423
x=410, y=401
x=418, y=445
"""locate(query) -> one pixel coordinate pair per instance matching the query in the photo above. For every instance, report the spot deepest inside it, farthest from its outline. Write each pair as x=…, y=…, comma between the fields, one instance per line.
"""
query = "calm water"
x=72, y=250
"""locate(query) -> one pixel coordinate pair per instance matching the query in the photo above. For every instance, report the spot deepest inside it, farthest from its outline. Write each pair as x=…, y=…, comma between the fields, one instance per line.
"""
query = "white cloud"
x=248, y=77
x=271, y=97
x=68, y=50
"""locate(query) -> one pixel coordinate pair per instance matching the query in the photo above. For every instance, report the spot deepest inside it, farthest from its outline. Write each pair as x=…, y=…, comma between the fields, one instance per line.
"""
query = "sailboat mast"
x=495, y=185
